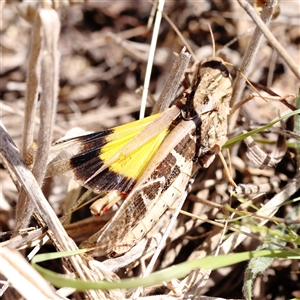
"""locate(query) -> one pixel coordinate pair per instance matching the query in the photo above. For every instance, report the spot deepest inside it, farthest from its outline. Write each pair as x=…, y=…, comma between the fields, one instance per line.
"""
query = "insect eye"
x=224, y=70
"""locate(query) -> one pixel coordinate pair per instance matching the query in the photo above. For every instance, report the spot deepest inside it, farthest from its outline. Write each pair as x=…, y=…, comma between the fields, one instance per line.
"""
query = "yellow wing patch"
x=133, y=164
x=130, y=130
x=81, y=157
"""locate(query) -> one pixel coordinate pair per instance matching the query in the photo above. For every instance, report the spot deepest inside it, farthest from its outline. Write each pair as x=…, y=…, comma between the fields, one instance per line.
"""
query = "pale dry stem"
x=247, y=62
x=173, y=81
x=160, y=7
x=26, y=280
x=271, y=6
x=33, y=81
x=44, y=68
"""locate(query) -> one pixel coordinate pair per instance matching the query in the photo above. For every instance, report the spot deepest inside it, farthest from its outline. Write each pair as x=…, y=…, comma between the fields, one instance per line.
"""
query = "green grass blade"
x=177, y=271
x=243, y=136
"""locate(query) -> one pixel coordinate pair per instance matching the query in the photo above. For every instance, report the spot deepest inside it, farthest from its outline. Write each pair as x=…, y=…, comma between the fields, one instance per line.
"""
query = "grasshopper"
x=197, y=132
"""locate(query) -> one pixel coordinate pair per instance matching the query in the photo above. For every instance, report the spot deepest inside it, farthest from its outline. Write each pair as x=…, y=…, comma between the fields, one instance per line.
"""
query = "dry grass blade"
x=273, y=41
x=172, y=82
x=33, y=81
x=248, y=60
x=45, y=65
x=20, y=274
x=22, y=241
x=160, y=7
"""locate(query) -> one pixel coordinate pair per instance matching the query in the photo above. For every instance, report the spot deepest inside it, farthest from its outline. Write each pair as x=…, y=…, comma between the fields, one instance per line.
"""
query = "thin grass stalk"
x=46, y=61
x=173, y=81
x=297, y=130
x=33, y=82
x=26, y=280
x=270, y=37
x=151, y=57
x=248, y=60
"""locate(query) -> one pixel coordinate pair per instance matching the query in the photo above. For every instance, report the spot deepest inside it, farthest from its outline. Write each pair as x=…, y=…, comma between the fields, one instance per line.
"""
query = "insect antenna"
x=180, y=35
x=240, y=103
